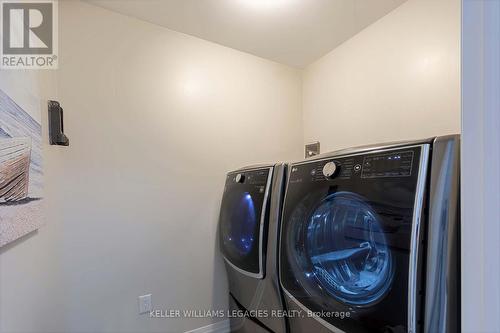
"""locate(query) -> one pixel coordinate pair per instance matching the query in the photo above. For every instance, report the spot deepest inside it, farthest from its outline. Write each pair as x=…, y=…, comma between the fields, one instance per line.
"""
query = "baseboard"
x=218, y=327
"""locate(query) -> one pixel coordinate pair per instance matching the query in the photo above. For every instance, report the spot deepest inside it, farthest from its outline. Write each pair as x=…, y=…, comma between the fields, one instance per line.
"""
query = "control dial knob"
x=330, y=169
x=240, y=178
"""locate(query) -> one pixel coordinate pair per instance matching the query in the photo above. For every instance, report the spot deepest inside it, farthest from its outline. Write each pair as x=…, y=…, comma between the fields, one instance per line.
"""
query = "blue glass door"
x=347, y=251
x=242, y=220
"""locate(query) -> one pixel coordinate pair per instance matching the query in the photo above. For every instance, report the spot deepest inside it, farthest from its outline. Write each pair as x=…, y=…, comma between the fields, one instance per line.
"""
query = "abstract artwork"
x=21, y=171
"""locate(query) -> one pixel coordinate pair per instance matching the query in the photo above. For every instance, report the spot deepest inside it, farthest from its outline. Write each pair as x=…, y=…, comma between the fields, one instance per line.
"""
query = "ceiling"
x=292, y=32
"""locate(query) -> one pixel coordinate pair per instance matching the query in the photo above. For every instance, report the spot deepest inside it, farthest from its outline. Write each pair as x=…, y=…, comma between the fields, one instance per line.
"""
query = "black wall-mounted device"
x=56, y=126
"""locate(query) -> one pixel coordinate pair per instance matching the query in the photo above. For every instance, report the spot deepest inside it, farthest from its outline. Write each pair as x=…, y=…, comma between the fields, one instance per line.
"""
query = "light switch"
x=145, y=304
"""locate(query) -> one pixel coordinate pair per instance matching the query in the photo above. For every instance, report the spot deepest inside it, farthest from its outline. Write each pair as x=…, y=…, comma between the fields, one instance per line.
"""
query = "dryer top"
x=373, y=147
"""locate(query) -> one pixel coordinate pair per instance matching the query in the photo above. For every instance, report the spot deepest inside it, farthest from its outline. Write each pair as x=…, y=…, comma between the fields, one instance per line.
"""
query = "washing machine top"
x=351, y=234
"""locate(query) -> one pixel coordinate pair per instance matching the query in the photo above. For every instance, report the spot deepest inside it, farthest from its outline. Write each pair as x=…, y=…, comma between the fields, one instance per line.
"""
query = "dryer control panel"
x=394, y=163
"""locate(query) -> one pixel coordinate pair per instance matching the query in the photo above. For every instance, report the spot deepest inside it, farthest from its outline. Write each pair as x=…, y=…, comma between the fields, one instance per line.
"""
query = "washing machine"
x=370, y=239
x=248, y=238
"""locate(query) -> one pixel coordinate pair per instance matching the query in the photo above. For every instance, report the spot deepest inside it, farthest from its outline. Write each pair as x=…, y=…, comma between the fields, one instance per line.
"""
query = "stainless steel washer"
x=248, y=233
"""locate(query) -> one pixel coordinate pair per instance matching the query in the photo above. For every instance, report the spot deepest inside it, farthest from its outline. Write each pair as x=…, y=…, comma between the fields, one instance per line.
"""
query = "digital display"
x=394, y=164
x=257, y=177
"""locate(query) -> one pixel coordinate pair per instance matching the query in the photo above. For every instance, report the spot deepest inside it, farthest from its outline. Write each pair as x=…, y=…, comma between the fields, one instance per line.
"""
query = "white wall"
x=31, y=294
x=480, y=166
x=397, y=79
x=155, y=118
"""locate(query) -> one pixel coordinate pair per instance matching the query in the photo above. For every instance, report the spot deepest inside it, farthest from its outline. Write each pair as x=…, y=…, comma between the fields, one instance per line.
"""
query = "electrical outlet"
x=145, y=304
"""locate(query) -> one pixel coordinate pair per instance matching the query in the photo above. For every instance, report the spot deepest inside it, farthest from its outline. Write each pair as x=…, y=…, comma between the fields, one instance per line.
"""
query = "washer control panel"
x=253, y=177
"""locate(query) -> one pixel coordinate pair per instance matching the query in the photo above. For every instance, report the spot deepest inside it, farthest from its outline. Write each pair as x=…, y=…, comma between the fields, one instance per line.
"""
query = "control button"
x=357, y=167
x=240, y=178
x=329, y=169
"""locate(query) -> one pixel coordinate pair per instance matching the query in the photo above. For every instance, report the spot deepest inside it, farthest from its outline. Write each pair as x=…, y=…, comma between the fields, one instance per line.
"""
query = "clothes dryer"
x=370, y=239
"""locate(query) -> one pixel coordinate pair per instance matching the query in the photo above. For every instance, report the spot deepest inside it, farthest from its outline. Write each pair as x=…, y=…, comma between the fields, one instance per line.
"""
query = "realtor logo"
x=29, y=34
